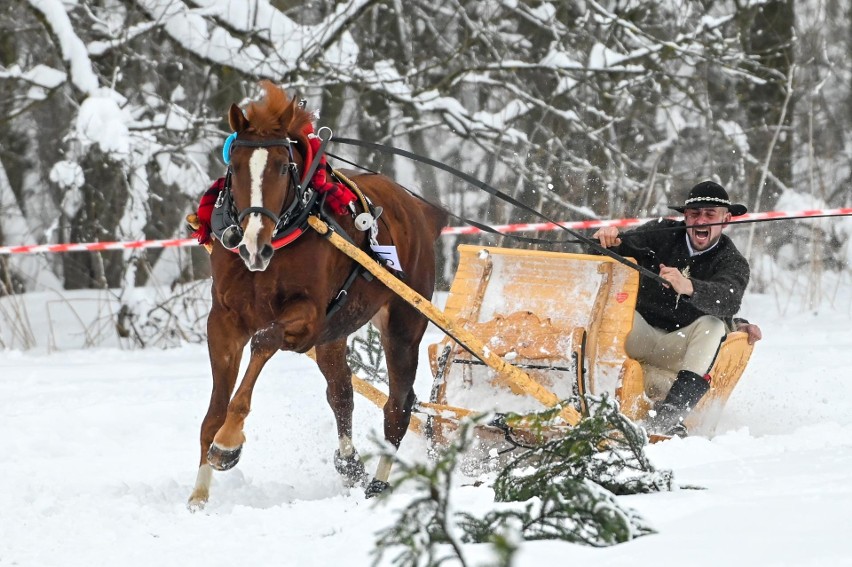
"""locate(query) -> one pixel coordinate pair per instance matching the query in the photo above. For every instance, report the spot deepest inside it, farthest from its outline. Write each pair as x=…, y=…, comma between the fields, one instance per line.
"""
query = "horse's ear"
x=292, y=111
x=237, y=119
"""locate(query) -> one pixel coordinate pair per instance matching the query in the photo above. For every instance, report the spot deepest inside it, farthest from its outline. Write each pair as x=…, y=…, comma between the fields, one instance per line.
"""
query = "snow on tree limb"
x=39, y=75
x=72, y=47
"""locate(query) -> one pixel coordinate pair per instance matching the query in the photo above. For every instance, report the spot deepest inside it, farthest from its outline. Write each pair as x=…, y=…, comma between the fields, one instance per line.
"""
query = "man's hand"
x=677, y=280
x=608, y=236
x=752, y=330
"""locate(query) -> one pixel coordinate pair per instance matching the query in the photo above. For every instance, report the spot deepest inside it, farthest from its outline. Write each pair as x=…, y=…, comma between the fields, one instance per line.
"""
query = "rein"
x=476, y=224
x=509, y=199
x=578, y=239
x=551, y=243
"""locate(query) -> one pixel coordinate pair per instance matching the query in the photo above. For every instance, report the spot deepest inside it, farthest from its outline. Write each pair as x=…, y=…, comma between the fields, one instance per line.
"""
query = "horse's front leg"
x=225, y=343
x=296, y=326
x=331, y=359
x=224, y=453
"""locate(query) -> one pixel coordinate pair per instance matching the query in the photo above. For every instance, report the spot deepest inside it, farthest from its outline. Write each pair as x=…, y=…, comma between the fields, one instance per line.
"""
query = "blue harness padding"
x=226, y=149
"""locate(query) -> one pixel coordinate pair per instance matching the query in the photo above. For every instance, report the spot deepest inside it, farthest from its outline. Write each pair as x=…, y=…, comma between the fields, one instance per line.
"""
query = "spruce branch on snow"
x=422, y=535
x=563, y=489
x=606, y=448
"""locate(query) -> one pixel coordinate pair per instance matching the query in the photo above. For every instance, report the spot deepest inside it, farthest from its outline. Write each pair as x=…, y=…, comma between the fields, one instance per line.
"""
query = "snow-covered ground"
x=100, y=455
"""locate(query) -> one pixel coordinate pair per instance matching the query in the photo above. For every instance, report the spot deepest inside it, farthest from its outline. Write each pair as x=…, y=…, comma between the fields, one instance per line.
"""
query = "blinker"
x=232, y=236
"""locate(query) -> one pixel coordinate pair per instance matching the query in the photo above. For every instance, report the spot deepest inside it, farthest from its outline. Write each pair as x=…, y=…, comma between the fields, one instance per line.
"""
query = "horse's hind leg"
x=402, y=329
x=331, y=359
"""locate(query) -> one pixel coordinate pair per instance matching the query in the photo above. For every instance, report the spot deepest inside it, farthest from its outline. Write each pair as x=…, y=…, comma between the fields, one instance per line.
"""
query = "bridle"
x=290, y=222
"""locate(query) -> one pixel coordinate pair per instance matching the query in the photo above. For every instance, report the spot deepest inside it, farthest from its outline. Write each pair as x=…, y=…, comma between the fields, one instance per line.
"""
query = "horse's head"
x=267, y=159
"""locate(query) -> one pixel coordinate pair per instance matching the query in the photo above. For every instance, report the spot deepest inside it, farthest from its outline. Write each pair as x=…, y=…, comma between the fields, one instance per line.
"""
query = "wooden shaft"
x=506, y=375
x=444, y=411
x=454, y=413
x=380, y=399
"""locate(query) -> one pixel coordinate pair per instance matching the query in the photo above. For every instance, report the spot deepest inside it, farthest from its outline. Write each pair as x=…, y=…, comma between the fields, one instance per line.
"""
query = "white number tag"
x=388, y=255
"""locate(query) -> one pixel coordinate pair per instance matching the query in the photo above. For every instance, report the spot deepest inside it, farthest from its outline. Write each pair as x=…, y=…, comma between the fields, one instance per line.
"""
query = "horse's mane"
x=276, y=113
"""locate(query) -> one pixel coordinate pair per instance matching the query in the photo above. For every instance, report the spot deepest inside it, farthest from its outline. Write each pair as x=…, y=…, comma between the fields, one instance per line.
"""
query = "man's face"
x=704, y=238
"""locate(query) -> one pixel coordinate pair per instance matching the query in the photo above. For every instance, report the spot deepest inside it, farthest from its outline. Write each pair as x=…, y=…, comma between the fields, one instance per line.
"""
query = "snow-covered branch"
x=72, y=48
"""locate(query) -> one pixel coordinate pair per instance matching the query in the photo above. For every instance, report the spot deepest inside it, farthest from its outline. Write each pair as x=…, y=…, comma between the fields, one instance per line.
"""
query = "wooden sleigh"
x=529, y=329
x=565, y=318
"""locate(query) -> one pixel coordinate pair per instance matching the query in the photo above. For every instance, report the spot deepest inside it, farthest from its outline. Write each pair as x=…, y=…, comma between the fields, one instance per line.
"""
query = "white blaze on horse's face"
x=257, y=165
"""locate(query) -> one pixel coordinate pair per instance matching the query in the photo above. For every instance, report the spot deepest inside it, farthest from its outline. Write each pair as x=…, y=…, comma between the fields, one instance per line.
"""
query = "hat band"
x=707, y=199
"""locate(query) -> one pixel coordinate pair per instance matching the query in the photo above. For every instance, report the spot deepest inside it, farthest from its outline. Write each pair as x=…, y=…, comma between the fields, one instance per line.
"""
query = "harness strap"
x=261, y=210
x=342, y=295
x=289, y=237
x=324, y=134
x=357, y=269
x=284, y=142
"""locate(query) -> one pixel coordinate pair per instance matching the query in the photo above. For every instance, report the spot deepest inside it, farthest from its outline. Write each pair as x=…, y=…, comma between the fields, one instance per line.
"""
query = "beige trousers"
x=663, y=354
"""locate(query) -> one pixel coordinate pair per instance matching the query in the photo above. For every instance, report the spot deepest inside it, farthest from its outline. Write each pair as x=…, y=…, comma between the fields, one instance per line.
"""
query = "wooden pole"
x=506, y=375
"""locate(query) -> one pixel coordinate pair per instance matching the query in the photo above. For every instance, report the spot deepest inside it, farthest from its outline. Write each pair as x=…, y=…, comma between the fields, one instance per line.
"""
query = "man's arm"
x=722, y=294
x=636, y=240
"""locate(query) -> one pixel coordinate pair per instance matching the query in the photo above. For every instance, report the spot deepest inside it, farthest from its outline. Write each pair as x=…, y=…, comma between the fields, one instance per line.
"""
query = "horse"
x=289, y=296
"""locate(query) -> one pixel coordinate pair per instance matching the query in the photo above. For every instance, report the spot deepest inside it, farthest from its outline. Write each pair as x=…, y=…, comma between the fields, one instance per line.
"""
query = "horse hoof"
x=196, y=504
x=375, y=488
x=223, y=459
x=350, y=468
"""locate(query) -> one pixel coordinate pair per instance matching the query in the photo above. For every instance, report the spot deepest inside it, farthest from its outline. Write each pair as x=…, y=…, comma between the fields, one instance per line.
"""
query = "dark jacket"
x=719, y=276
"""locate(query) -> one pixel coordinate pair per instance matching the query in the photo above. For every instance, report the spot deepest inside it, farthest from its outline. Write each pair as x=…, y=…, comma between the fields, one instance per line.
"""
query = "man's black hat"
x=710, y=194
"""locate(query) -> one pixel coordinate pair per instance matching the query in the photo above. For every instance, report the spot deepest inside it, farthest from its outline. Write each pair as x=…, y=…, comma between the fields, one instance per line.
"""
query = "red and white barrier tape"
x=545, y=226
x=450, y=230
x=97, y=246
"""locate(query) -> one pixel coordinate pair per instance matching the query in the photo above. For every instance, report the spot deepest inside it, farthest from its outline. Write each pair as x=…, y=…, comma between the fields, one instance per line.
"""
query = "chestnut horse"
x=287, y=299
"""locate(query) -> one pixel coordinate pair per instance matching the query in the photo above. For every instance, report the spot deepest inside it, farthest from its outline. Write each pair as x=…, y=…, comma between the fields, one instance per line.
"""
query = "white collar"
x=693, y=252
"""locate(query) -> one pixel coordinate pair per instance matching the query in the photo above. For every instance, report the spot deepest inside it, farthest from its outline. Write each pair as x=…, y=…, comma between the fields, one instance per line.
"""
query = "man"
x=679, y=327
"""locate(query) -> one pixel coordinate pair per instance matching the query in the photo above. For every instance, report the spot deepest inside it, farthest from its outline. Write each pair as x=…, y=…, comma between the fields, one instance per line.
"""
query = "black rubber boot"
x=685, y=393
